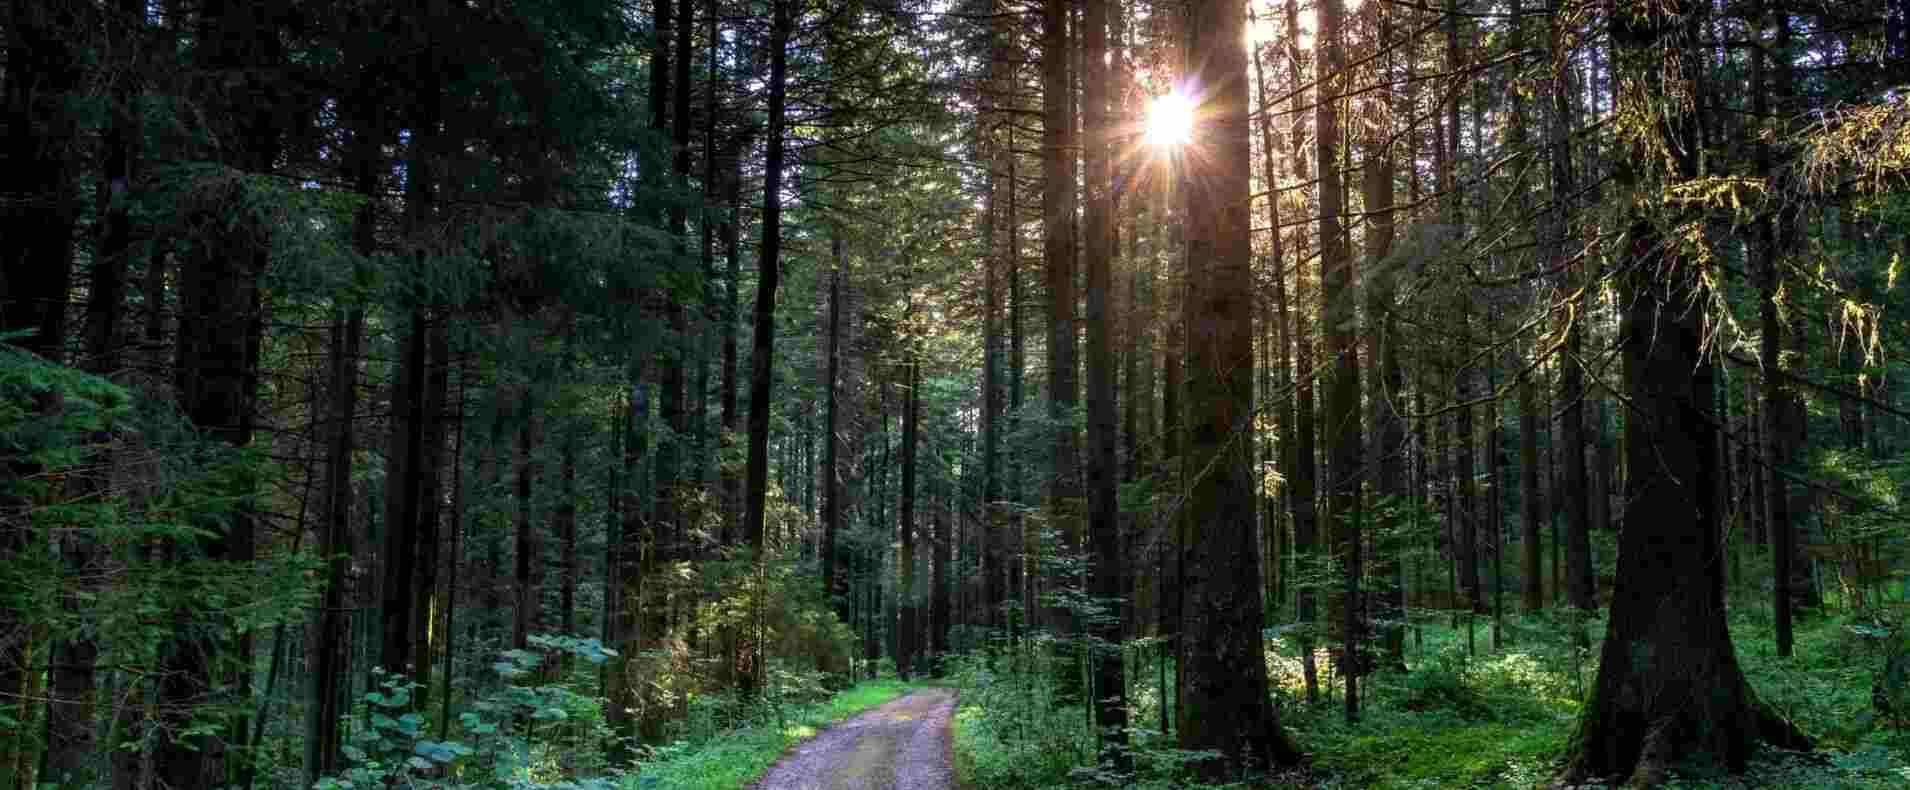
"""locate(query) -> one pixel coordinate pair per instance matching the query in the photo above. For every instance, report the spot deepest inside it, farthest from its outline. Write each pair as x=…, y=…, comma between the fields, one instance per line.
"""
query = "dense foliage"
x=581, y=393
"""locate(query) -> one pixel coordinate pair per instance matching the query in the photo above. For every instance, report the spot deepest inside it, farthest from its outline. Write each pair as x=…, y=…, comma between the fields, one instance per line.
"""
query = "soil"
x=903, y=745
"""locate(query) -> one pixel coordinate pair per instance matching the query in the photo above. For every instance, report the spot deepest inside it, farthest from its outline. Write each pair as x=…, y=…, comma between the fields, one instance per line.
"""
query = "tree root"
x=1778, y=731
x=1657, y=753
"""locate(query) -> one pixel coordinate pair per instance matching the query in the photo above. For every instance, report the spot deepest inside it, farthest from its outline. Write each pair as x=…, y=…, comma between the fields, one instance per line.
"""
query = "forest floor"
x=1458, y=717
x=902, y=745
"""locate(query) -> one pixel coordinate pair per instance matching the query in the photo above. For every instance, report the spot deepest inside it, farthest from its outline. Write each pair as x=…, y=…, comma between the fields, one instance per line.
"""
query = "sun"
x=1170, y=120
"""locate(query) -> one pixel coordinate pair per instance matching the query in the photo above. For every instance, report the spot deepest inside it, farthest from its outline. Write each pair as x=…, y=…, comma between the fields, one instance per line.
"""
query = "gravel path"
x=899, y=746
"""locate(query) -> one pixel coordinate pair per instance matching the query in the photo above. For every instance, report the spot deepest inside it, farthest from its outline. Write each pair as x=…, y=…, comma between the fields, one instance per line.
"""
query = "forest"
x=614, y=394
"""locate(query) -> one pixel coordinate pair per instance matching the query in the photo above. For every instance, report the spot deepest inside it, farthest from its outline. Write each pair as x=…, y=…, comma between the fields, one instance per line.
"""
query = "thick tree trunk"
x=1225, y=705
x=39, y=207
x=72, y=675
x=1669, y=690
x=216, y=379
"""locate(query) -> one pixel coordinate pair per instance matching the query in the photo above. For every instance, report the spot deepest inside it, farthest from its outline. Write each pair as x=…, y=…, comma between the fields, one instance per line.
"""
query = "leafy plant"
x=506, y=743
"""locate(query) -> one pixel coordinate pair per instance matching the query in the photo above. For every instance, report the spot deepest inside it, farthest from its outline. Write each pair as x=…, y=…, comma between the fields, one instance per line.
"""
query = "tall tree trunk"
x=1573, y=494
x=1017, y=363
x=906, y=635
x=997, y=233
x=833, y=586
x=1777, y=402
x=1225, y=705
x=428, y=379
x=323, y=707
x=1568, y=506
x=627, y=557
x=1104, y=515
x=938, y=592
x=1531, y=513
x=769, y=257
x=1669, y=689
x=564, y=522
x=528, y=556
x=41, y=208
x=431, y=459
x=216, y=377
x=730, y=481
x=1303, y=475
x=402, y=490
x=1389, y=383
x=1282, y=356
x=36, y=263
x=1058, y=214
x=71, y=673
x=672, y=381
x=1337, y=313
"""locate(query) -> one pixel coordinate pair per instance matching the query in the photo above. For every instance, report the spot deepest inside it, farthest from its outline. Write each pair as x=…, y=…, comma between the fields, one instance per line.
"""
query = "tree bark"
x=1669, y=690
x=72, y=674
x=528, y=556
x=403, y=488
x=1281, y=357
x=1338, y=315
x=996, y=233
x=1105, y=581
x=756, y=473
x=41, y=209
x=217, y=375
x=1389, y=383
x=1059, y=253
x=1225, y=705
x=1303, y=477
x=1777, y=402
x=907, y=633
x=834, y=587
x=323, y=713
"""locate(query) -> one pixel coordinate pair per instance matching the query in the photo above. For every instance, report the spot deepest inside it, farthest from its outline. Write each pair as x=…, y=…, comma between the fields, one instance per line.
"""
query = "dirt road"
x=899, y=746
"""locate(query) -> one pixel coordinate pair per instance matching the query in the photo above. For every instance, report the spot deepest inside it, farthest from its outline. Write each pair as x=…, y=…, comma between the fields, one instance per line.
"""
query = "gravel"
x=903, y=745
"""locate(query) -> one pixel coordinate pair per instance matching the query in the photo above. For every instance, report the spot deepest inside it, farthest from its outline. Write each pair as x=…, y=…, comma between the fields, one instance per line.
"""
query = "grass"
x=1505, y=720
x=738, y=758
x=1451, y=720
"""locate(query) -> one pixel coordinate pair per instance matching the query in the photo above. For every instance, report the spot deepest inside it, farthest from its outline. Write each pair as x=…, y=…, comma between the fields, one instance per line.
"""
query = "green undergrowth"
x=1452, y=719
x=737, y=758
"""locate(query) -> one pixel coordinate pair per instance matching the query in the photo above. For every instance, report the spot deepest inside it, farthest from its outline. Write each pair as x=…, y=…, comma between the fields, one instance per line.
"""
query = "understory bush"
x=1454, y=718
x=519, y=735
